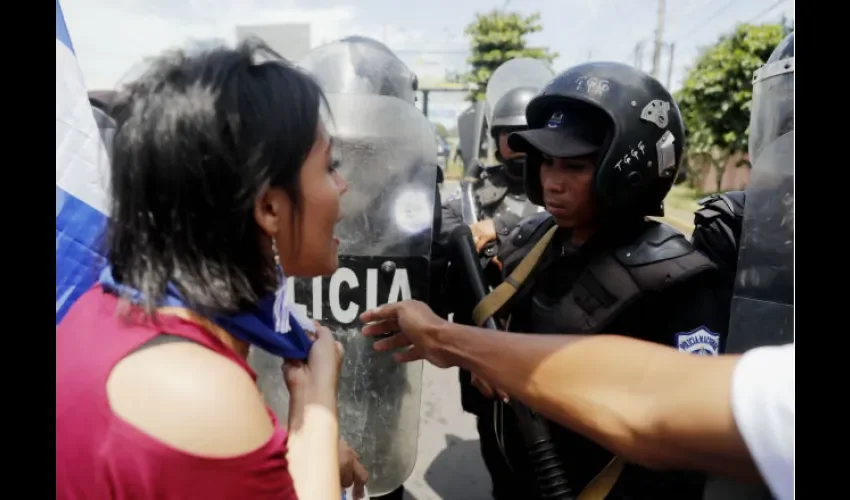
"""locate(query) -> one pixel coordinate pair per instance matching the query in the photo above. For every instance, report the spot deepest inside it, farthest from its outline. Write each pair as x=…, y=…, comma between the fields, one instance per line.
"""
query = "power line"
x=627, y=13
x=766, y=11
x=702, y=24
x=635, y=53
x=690, y=8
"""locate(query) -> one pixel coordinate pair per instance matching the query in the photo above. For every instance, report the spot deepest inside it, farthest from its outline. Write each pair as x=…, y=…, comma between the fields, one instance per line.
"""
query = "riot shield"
x=387, y=155
x=763, y=302
x=516, y=73
x=470, y=131
x=762, y=311
x=360, y=65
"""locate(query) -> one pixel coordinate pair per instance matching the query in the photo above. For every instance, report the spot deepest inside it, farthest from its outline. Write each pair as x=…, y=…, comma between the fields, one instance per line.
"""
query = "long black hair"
x=199, y=135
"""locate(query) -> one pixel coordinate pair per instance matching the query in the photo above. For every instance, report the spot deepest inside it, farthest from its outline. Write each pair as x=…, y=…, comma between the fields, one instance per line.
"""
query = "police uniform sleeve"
x=763, y=390
x=452, y=214
x=503, y=227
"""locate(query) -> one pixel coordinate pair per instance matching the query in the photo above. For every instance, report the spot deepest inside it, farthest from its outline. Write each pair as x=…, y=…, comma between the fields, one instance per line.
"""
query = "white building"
x=291, y=40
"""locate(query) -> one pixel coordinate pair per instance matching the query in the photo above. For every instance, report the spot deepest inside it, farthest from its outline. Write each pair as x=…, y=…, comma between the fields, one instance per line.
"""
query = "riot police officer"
x=499, y=190
x=499, y=199
x=603, y=148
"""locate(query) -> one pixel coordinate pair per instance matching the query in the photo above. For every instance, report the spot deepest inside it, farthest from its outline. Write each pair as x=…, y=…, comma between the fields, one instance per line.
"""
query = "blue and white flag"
x=82, y=180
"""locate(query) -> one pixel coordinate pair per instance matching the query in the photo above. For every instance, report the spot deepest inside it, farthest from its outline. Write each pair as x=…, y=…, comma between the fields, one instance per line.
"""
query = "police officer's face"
x=567, y=189
x=505, y=150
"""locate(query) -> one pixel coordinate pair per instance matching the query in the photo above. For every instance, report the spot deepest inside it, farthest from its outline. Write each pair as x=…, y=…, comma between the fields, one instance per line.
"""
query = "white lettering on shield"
x=347, y=313
x=347, y=276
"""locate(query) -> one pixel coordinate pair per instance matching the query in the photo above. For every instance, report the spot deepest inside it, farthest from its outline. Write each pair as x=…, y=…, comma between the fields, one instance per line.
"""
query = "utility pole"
x=670, y=68
x=659, y=40
x=639, y=55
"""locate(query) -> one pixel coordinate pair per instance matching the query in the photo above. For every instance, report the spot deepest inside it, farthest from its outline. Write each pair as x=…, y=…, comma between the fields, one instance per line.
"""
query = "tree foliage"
x=497, y=37
x=716, y=96
x=441, y=130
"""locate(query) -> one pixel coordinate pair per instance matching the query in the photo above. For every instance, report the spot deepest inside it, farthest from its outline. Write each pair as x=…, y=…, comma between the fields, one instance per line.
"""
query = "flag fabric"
x=82, y=180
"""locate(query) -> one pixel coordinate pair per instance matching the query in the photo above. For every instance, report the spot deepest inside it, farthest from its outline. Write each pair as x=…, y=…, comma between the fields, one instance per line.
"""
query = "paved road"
x=449, y=465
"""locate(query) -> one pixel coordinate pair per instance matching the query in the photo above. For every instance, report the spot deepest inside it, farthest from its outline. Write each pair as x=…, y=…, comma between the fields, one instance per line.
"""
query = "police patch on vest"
x=701, y=341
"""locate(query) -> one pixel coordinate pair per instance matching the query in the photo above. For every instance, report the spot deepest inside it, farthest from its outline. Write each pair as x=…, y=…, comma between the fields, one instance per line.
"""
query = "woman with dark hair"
x=222, y=184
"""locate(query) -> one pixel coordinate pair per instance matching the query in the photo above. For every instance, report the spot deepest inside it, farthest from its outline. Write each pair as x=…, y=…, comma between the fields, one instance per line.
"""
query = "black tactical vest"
x=612, y=280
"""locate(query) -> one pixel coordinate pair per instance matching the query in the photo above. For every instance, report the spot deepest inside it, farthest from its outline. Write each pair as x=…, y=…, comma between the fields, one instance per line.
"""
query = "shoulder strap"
x=599, y=487
x=496, y=299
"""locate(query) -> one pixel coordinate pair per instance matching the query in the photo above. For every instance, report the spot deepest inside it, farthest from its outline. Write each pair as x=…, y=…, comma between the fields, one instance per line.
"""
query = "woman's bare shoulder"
x=190, y=398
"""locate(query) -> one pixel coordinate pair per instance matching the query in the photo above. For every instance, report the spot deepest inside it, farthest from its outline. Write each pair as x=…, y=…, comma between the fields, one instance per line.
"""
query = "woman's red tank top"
x=100, y=456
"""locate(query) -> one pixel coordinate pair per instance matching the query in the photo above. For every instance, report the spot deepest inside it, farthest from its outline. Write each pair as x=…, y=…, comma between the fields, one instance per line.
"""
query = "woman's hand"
x=351, y=471
x=313, y=425
x=321, y=371
x=316, y=381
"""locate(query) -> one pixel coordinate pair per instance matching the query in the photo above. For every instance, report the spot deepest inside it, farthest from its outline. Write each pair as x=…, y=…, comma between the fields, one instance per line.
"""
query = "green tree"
x=497, y=37
x=716, y=96
x=441, y=130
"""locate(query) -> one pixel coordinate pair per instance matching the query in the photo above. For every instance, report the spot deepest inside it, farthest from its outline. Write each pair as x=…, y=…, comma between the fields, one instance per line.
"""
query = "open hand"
x=413, y=324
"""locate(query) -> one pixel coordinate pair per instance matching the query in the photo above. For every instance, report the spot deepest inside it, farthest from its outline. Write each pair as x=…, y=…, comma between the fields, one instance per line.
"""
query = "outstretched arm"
x=646, y=402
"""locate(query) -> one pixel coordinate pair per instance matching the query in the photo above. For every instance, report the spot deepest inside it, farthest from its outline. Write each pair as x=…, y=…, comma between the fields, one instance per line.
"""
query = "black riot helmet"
x=510, y=110
x=361, y=65
x=509, y=114
x=618, y=113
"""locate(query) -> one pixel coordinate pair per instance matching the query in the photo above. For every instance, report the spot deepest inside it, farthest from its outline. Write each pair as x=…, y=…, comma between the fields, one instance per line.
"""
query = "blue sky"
x=110, y=36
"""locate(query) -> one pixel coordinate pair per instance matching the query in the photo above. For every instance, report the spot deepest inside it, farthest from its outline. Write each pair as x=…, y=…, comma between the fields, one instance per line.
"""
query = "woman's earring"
x=281, y=309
